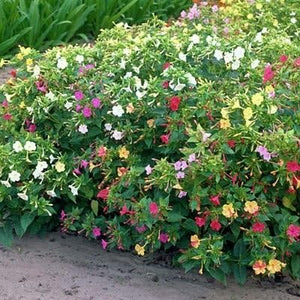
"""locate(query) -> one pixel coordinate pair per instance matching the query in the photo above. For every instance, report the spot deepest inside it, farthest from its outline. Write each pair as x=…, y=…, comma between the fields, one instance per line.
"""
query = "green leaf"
x=95, y=207
x=26, y=220
x=235, y=228
x=295, y=265
x=239, y=249
x=6, y=236
x=240, y=273
x=217, y=274
x=174, y=217
x=190, y=225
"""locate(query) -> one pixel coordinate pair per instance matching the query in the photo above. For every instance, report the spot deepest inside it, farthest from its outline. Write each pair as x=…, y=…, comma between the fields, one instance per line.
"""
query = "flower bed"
x=181, y=137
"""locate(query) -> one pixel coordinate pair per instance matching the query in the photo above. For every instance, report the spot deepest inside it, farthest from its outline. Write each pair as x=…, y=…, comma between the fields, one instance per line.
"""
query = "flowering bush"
x=177, y=137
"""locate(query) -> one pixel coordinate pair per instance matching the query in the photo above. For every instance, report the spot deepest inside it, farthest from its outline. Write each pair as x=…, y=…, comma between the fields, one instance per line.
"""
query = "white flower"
x=62, y=63
x=6, y=183
x=123, y=64
x=126, y=51
x=41, y=165
x=83, y=129
x=117, y=135
x=29, y=109
x=191, y=79
x=117, y=110
x=235, y=65
x=30, y=146
x=108, y=126
x=258, y=37
x=195, y=39
x=23, y=196
x=264, y=30
x=136, y=69
x=36, y=71
x=239, y=53
x=68, y=105
x=177, y=87
x=209, y=39
x=17, y=146
x=228, y=57
x=205, y=136
x=218, y=54
x=50, y=96
x=79, y=58
x=182, y=56
x=140, y=94
x=293, y=20
x=255, y=63
x=51, y=158
x=38, y=173
x=74, y=190
x=128, y=75
x=51, y=193
x=14, y=176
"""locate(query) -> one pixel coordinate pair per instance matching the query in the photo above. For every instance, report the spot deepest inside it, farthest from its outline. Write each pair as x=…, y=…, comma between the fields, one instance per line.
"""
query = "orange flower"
x=195, y=242
x=259, y=267
x=251, y=207
x=275, y=265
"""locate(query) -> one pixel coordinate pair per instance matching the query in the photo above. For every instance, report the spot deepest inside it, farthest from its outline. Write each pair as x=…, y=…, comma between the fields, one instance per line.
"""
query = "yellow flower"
x=225, y=113
x=195, y=242
x=272, y=109
x=225, y=123
x=236, y=104
x=123, y=153
x=60, y=167
x=259, y=267
x=2, y=62
x=29, y=61
x=250, y=16
x=251, y=207
x=275, y=265
x=248, y=113
x=275, y=23
x=150, y=123
x=24, y=51
x=130, y=108
x=228, y=211
x=269, y=89
x=259, y=6
x=139, y=249
x=257, y=99
x=22, y=105
x=19, y=56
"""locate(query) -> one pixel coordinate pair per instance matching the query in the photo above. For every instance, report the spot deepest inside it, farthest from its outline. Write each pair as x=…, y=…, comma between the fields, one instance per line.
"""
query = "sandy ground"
x=61, y=267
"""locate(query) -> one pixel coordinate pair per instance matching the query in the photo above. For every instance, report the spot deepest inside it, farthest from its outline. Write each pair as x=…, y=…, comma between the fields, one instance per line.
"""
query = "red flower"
x=124, y=210
x=165, y=84
x=153, y=207
x=215, y=200
x=167, y=65
x=258, y=227
x=297, y=62
x=103, y=194
x=293, y=231
x=292, y=166
x=231, y=143
x=13, y=73
x=283, y=58
x=200, y=222
x=31, y=128
x=215, y=225
x=165, y=138
x=268, y=74
x=174, y=103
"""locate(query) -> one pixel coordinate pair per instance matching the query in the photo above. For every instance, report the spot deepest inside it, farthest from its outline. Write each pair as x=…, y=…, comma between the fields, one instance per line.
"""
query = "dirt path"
x=67, y=267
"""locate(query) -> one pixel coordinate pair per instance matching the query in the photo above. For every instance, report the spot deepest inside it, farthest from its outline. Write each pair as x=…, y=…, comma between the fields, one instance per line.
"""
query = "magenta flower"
x=78, y=108
x=84, y=164
x=163, y=238
x=96, y=231
x=5, y=103
x=78, y=95
x=77, y=171
x=7, y=117
x=182, y=194
x=177, y=165
x=87, y=112
x=96, y=102
x=153, y=207
x=141, y=229
x=293, y=231
x=31, y=128
x=62, y=215
x=104, y=244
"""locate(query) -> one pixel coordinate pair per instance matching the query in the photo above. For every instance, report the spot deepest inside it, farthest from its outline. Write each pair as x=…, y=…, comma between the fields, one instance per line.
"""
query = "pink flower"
x=174, y=103
x=163, y=238
x=84, y=164
x=77, y=171
x=31, y=128
x=165, y=138
x=192, y=157
x=124, y=210
x=78, y=107
x=258, y=227
x=102, y=151
x=62, y=215
x=182, y=194
x=200, y=222
x=297, y=62
x=104, y=244
x=41, y=86
x=215, y=225
x=166, y=84
x=103, y=194
x=7, y=117
x=180, y=175
x=96, y=102
x=268, y=74
x=215, y=200
x=293, y=231
x=87, y=112
x=167, y=65
x=283, y=58
x=292, y=166
x=5, y=103
x=96, y=231
x=215, y=8
x=148, y=170
x=78, y=95
x=141, y=229
x=153, y=207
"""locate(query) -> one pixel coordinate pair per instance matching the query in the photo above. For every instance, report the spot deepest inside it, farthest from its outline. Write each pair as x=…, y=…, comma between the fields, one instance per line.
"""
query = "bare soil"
x=60, y=266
